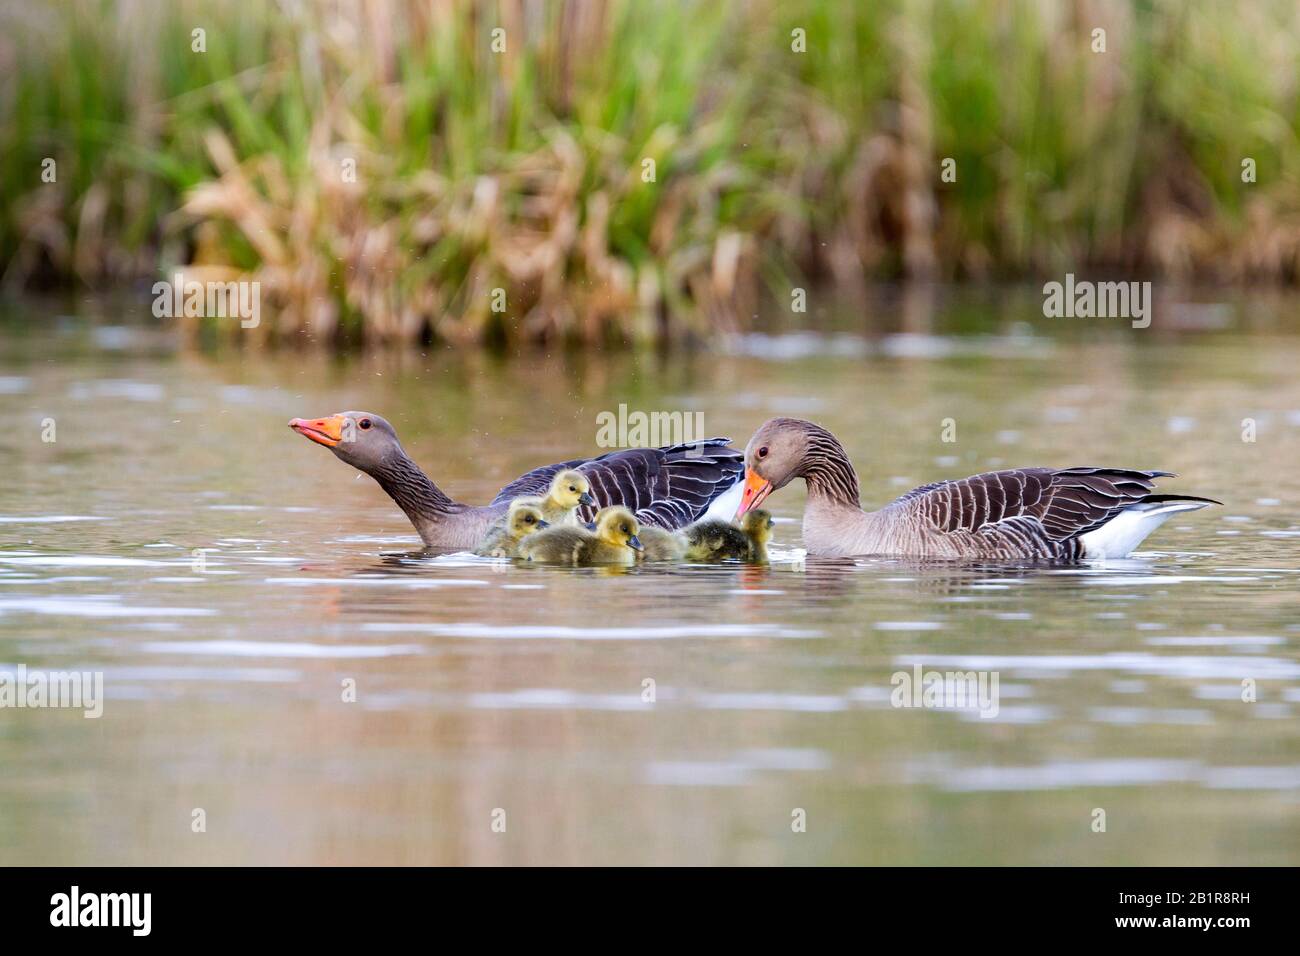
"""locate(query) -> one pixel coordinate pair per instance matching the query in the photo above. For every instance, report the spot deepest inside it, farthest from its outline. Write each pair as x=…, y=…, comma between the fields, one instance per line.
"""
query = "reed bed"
x=382, y=171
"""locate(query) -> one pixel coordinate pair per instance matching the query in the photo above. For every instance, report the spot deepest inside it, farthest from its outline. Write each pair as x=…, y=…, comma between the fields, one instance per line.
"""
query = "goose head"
x=362, y=439
x=773, y=458
x=787, y=448
x=618, y=527
x=570, y=488
x=524, y=518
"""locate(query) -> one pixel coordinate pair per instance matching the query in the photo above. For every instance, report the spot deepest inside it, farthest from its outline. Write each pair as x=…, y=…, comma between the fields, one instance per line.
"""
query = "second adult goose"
x=667, y=487
x=1021, y=514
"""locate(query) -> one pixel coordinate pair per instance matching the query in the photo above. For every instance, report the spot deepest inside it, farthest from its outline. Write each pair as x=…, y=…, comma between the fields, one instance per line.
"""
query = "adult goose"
x=1022, y=514
x=665, y=487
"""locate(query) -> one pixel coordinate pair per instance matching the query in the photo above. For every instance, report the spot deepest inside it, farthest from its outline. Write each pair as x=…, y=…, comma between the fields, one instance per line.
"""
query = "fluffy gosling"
x=661, y=545
x=504, y=537
x=614, y=541
x=559, y=506
x=757, y=526
x=568, y=490
x=714, y=540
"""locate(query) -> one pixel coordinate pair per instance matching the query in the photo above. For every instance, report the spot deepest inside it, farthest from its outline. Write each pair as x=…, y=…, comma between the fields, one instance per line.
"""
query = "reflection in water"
x=277, y=650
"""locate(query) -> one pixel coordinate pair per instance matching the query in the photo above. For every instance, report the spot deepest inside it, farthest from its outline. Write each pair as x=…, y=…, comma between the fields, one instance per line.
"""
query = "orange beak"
x=323, y=431
x=756, y=491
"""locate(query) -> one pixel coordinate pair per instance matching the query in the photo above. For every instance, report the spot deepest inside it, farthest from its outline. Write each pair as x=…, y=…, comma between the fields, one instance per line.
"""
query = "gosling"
x=504, y=537
x=614, y=541
x=714, y=540
x=559, y=506
x=569, y=489
x=661, y=545
x=657, y=544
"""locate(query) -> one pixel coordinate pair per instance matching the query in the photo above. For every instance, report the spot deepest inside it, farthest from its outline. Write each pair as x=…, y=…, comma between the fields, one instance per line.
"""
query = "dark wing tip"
x=1208, y=501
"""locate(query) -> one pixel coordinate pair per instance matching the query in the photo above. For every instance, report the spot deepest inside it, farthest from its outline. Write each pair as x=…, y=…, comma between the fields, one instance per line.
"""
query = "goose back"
x=667, y=487
x=1021, y=512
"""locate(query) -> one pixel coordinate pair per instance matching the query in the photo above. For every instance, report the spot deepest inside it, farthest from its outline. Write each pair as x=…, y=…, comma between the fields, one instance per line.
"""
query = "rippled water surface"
x=229, y=579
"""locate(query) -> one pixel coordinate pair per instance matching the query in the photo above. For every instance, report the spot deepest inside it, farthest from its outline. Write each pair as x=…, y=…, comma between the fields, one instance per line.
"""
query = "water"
x=482, y=686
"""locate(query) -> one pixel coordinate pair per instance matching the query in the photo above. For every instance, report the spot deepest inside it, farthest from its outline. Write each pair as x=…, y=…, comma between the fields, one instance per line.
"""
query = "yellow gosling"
x=757, y=525
x=614, y=541
x=503, y=538
x=500, y=523
x=568, y=490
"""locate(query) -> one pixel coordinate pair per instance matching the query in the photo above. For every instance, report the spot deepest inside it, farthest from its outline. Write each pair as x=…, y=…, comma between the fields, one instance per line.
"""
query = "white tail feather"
x=724, y=506
x=1119, y=536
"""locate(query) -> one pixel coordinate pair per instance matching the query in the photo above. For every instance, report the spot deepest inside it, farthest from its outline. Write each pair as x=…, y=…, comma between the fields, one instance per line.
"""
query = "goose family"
x=1021, y=514
x=667, y=487
x=1034, y=514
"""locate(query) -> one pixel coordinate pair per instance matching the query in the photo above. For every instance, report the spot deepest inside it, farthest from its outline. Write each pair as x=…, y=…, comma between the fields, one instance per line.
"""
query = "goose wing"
x=666, y=487
x=1043, y=503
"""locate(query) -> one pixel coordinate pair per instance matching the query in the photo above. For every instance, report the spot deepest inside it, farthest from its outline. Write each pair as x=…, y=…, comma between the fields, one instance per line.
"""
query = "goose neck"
x=411, y=488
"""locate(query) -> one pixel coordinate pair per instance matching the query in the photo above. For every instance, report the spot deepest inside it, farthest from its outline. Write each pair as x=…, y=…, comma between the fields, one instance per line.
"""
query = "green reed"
x=525, y=170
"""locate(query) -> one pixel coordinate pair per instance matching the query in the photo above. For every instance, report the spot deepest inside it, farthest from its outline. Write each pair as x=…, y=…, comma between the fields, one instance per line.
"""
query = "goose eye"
x=364, y=423
x=571, y=488
x=623, y=528
x=762, y=452
x=529, y=519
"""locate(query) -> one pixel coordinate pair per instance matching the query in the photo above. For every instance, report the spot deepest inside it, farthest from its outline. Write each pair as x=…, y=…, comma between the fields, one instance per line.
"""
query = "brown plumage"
x=1022, y=513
